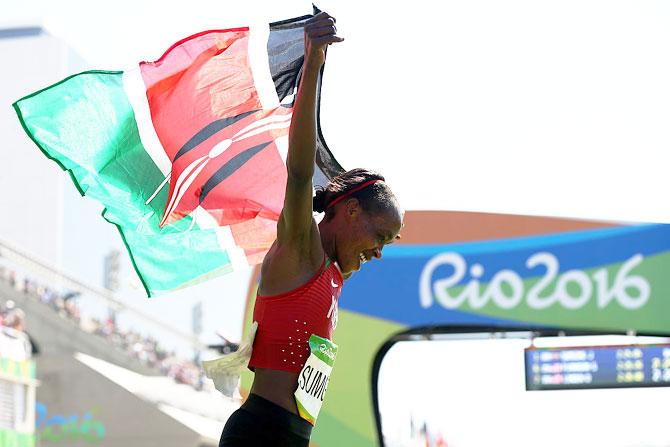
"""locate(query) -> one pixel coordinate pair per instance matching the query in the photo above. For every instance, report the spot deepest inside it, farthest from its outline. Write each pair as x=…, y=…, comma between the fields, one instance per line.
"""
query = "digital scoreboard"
x=584, y=367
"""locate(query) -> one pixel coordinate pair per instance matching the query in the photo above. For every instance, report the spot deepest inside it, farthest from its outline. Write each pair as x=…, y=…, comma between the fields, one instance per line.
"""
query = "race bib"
x=314, y=377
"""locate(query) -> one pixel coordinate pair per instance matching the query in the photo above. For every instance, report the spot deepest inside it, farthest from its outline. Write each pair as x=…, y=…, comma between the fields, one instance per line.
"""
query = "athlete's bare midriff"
x=277, y=387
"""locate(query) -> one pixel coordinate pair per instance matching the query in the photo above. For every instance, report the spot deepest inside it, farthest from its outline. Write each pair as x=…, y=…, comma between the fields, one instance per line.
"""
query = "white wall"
x=31, y=189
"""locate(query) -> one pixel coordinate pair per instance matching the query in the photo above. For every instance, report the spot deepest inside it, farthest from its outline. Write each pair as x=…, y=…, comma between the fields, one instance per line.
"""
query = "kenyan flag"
x=187, y=153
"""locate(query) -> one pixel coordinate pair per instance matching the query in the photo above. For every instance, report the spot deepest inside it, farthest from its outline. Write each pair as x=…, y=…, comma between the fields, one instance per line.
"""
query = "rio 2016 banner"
x=615, y=278
x=488, y=270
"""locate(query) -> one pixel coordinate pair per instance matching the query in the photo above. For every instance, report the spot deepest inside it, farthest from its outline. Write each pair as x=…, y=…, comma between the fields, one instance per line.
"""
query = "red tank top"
x=286, y=321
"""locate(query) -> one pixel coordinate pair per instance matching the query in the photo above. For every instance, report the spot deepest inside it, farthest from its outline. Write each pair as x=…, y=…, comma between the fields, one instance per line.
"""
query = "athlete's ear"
x=353, y=207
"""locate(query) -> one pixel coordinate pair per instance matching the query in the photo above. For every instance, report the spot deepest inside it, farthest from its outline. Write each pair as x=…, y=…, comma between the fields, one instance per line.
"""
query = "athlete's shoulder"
x=287, y=266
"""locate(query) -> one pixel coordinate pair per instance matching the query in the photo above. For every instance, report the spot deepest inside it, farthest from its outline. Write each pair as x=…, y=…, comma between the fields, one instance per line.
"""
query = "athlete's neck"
x=328, y=240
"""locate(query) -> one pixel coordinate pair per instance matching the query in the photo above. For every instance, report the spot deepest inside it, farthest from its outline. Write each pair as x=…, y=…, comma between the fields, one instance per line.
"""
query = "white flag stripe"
x=180, y=181
x=264, y=129
x=260, y=66
x=167, y=178
x=264, y=121
x=133, y=84
x=224, y=236
x=180, y=190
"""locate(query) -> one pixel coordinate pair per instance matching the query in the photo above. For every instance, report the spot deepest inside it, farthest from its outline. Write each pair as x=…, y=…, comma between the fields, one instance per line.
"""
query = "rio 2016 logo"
x=328, y=352
x=506, y=289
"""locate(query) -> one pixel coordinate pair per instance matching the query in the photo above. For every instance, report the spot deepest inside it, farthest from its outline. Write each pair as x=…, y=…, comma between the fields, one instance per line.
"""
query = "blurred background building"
x=31, y=188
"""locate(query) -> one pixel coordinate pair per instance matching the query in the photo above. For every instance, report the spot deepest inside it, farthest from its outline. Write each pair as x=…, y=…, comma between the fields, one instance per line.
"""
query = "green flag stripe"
x=86, y=124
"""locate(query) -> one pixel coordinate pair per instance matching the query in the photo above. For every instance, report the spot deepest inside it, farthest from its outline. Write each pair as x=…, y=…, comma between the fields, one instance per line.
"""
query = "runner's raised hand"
x=320, y=31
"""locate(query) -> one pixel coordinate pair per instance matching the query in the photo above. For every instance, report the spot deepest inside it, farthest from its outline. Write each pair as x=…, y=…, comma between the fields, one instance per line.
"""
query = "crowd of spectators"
x=144, y=348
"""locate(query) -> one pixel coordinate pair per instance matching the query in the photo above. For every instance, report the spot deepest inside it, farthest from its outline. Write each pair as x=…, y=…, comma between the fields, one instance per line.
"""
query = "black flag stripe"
x=229, y=168
x=208, y=131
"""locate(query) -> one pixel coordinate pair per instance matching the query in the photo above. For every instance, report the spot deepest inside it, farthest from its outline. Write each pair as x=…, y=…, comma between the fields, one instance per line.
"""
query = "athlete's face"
x=362, y=235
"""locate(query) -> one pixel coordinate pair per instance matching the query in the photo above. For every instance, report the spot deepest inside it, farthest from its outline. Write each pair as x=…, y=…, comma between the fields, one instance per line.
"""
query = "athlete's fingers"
x=318, y=25
x=323, y=15
x=326, y=40
x=322, y=31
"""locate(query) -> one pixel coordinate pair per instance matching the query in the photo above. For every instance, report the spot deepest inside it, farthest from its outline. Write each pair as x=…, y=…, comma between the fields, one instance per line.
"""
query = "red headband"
x=348, y=193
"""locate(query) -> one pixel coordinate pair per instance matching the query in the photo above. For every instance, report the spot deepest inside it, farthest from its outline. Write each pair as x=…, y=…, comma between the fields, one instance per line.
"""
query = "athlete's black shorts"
x=259, y=422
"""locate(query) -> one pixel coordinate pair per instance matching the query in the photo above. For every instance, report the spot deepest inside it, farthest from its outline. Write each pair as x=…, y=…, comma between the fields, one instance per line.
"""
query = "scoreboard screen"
x=584, y=367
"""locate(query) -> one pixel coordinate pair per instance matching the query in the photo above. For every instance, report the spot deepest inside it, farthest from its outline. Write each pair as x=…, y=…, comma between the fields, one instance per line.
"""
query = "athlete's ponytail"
x=319, y=200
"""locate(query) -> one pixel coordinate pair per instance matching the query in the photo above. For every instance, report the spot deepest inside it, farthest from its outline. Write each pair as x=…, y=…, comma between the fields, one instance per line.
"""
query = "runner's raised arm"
x=296, y=218
x=303, y=274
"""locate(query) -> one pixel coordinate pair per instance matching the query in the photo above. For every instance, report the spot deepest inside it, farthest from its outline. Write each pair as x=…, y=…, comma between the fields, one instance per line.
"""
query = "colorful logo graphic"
x=571, y=289
x=61, y=428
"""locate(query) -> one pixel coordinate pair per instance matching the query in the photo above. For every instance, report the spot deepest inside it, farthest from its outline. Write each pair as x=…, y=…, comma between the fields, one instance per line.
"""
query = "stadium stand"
x=99, y=385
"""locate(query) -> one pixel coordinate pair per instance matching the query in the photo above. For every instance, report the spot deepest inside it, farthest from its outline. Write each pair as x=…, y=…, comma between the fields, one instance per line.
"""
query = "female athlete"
x=304, y=270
